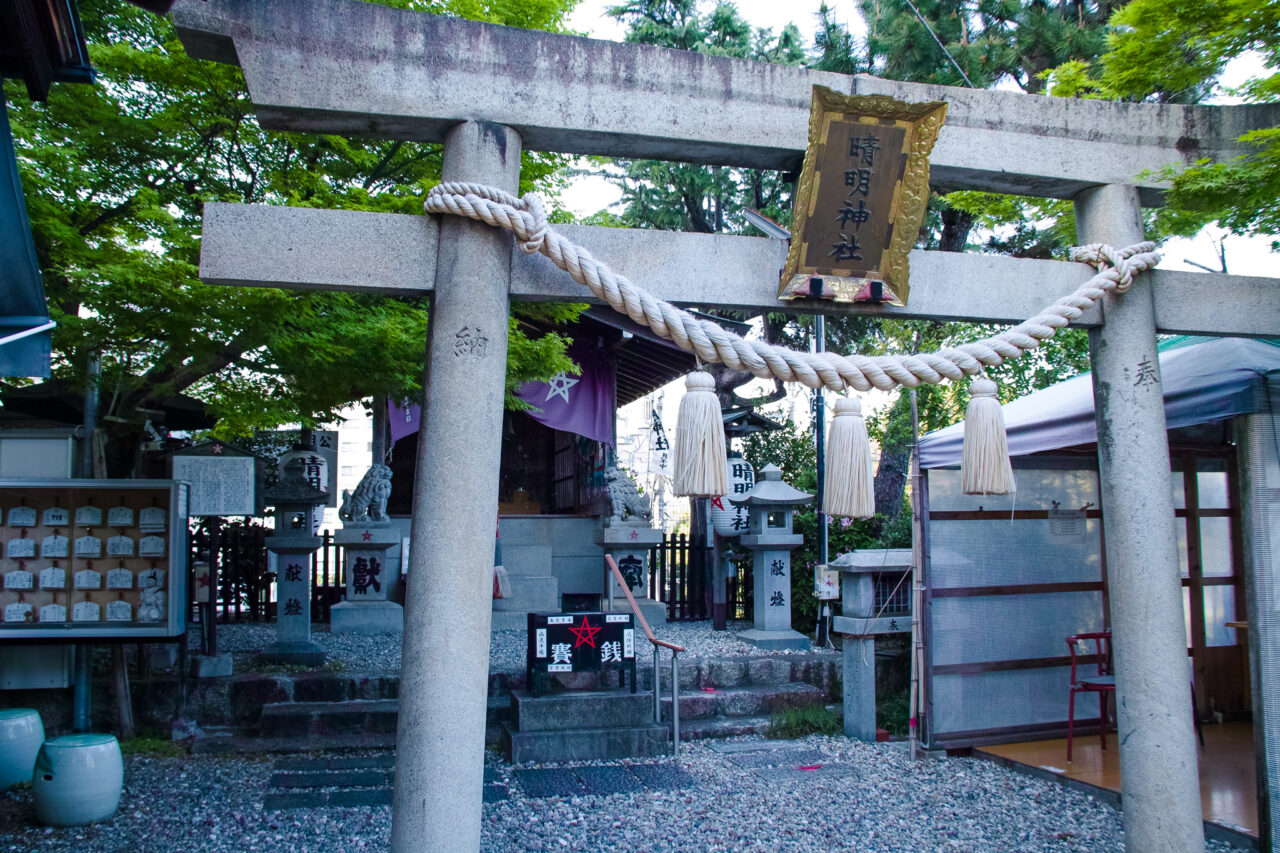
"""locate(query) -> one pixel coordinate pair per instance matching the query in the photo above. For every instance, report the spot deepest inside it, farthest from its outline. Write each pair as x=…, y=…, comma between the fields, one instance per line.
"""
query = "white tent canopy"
x=1203, y=382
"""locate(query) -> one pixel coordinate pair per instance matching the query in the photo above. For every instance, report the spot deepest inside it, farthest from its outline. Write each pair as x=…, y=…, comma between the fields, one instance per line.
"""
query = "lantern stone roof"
x=771, y=491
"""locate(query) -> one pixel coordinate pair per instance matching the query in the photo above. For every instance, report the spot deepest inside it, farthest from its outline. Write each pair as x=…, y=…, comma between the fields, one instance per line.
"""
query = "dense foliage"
x=116, y=175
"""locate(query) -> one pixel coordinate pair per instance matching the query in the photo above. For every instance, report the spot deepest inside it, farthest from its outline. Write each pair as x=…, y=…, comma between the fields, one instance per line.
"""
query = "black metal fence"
x=679, y=577
x=246, y=585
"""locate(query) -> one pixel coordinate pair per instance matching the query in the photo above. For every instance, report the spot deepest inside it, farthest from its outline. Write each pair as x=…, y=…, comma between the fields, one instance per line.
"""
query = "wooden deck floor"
x=1228, y=781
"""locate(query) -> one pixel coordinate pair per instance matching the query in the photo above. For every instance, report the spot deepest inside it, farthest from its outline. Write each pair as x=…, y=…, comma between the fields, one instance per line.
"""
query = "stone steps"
x=742, y=701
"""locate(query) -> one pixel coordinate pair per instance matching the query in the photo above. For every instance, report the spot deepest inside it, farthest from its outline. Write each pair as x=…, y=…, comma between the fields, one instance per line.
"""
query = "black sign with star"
x=581, y=642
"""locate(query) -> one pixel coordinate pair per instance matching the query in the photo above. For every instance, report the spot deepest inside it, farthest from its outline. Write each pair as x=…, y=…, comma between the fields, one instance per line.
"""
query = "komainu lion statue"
x=369, y=501
x=629, y=506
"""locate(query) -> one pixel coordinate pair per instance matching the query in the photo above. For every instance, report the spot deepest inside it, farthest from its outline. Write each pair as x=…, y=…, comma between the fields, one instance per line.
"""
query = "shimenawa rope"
x=526, y=218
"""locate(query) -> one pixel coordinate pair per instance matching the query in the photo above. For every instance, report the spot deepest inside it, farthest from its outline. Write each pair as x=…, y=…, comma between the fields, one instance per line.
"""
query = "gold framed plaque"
x=861, y=197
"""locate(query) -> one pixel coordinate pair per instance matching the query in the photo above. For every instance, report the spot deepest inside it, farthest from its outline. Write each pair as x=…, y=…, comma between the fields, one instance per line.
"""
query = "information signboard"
x=223, y=479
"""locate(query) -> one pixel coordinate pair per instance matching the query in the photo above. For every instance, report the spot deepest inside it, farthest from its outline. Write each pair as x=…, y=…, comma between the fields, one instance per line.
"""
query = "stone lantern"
x=294, y=546
x=770, y=507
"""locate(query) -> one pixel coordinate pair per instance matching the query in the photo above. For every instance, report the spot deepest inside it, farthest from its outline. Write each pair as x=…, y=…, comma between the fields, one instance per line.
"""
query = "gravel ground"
x=878, y=801
x=380, y=654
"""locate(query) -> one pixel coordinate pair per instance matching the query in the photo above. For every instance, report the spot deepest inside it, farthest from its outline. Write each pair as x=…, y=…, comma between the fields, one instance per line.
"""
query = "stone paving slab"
x=602, y=781
x=657, y=777
x=495, y=793
x=364, y=797
x=331, y=779
x=550, y=782
x=795, y=774
x=780, y=757
x=729, y=747
x=344, y=763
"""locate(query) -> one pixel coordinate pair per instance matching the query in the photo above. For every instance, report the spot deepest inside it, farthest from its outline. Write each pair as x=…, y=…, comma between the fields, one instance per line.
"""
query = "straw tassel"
x=501, y=582
x=984, y=465
x=847, y=489
x=700, y=469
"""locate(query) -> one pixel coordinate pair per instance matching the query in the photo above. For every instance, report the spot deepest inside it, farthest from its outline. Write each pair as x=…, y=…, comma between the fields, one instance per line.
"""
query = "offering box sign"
x=56, y=516
x=22, y=516
x=88, y=516
x=19, y=611
x=20, y=549
x=120, y=516
x=19, y=579
x=54, y=547
x=580, y=642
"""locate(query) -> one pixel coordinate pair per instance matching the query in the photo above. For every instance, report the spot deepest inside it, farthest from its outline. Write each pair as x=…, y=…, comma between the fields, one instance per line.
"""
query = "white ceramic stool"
x=21, y=734
x=78, y=779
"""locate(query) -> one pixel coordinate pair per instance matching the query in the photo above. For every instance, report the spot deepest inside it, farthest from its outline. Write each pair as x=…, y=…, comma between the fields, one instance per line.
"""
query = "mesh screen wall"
x=1262, y=527
x=1008, y=578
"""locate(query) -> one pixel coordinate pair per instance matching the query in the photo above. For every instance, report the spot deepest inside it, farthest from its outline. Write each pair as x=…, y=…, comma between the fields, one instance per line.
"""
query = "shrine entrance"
x=378, y=71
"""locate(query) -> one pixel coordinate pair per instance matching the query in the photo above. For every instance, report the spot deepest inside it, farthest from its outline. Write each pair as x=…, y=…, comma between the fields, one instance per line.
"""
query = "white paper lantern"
x=727, y=518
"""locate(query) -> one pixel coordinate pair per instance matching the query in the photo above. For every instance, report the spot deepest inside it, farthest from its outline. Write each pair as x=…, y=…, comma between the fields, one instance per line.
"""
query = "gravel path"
x=380, y=654
x=866, y=797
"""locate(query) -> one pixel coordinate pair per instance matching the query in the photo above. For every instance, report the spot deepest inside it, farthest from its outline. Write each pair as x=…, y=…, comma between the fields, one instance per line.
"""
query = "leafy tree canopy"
x=1174, y=51
x=115, y=176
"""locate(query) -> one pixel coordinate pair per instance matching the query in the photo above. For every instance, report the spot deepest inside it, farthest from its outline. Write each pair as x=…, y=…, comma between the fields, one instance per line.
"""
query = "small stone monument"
x=294, y=547
x=770, y=506
x=859, y=626
x=366, y=537
x=627, y=535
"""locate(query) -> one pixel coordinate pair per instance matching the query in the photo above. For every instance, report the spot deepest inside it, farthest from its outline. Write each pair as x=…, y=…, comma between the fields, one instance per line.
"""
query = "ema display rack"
x=92, y=558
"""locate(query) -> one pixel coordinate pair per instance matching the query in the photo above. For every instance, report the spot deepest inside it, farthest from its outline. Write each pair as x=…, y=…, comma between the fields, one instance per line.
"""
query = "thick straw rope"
x=526, y=218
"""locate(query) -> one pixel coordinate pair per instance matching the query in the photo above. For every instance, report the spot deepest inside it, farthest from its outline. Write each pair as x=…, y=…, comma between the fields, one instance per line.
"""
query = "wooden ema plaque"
x=861, y=197
x=581, y=642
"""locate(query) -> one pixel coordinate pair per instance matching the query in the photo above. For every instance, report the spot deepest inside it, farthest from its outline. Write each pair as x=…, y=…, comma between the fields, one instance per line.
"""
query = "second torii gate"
x=488, y=92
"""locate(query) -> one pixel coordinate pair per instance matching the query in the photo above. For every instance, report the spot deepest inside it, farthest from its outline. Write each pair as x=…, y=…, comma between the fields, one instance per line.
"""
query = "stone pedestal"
x=294, y=550
x=859, y=625
x=369, y=577
x=629, y=546
x=771, y=584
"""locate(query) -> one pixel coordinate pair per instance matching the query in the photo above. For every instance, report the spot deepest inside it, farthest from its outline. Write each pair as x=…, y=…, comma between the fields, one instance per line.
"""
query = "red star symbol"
x=585, y=633
x=217, y=449
x=635, y=534
x=366, y=536
x=203, y=580
x=718, y=502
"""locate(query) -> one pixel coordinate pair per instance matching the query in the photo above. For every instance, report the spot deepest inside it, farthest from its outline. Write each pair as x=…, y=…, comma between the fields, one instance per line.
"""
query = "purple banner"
x=581, y=404
x=402, y=418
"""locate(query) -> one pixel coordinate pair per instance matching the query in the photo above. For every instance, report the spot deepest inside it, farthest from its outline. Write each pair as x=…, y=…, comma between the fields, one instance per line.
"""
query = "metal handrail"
x=658, y=645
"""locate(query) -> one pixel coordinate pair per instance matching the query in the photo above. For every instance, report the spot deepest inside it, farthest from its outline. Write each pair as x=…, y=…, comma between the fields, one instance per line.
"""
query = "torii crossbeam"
x=486, y=92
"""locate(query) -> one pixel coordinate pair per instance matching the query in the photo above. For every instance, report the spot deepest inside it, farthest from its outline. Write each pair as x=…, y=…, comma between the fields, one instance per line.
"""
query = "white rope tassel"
x=847, y=489
x=700, y=453
x=501, y=582
x=984, y=465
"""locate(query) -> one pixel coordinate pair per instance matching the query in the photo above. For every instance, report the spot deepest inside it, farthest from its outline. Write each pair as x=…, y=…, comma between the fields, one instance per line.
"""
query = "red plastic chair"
x=1102, y=682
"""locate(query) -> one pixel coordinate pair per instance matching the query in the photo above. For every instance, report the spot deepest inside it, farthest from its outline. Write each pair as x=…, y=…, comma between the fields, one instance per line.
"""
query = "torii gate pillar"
x=1160, y=796
x=445, y=664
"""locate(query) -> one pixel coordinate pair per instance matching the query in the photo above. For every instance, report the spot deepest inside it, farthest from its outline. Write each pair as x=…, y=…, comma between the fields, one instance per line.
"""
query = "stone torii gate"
x=488, y=92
